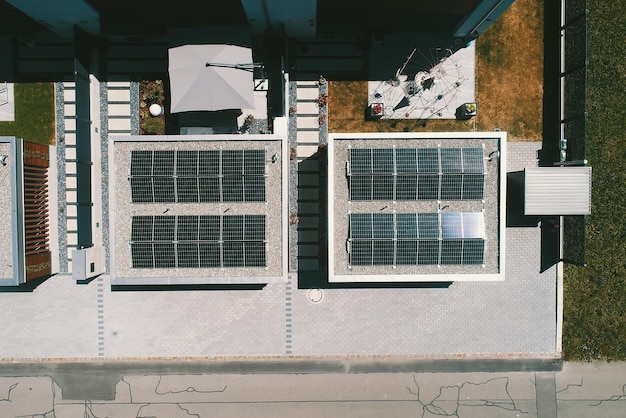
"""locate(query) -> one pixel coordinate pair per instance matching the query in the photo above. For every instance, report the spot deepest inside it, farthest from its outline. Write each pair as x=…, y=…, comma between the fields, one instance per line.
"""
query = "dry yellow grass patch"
x=509, y=84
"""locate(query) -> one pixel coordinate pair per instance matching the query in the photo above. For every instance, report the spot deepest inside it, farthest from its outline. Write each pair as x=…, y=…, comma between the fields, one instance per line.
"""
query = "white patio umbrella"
x=211, y=77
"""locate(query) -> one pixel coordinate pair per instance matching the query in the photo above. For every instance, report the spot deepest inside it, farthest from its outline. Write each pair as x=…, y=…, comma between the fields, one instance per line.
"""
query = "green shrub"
x=152, y=126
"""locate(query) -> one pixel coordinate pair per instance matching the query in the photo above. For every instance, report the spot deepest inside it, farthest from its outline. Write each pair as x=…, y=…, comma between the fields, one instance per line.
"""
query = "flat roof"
x=437, y=236
x=178, y=216
x=10, y=204
x=557, y=190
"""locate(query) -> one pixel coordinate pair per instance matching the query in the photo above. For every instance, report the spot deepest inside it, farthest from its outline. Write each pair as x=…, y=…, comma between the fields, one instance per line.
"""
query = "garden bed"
x=151, y=92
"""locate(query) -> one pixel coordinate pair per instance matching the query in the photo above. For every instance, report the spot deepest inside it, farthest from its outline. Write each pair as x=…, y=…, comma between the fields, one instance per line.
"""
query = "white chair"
x=4, y=93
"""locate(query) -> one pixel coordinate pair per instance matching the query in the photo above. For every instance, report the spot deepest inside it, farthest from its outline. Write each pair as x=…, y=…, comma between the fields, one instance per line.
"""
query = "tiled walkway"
x=61, y=319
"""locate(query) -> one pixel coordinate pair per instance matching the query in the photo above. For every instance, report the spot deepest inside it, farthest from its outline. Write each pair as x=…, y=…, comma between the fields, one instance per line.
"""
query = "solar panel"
x=360, y=225
x=473, y=187
x=382, y=160
x=451, y=225
x=416, y=174
x=473, y=160
x=428, y=187
x=382, y=226
x=361, y=161
x=428, y=225
x=164, y=228
x=428, y=252
x=451, y=251
x=473, y=251
x=141, y=163
x=416, y=238
x=382, y=187
x=451, y=160
x=198, y=241
x=406, y=224
x=406, y=160
x=197, y=176
x=473, y=225
x=406, y=187
x=428, y=160
x=451, y=187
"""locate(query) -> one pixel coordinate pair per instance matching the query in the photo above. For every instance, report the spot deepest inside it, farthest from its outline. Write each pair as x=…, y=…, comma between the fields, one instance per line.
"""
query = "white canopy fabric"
x=210, y=77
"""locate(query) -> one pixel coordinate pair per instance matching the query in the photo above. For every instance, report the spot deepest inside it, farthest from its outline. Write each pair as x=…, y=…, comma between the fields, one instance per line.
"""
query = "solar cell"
x=254, y=163
x=187, y=189
x=163, y=189
x=428, y=187
x=209, y=163
x=164, y=228
x=164, y=255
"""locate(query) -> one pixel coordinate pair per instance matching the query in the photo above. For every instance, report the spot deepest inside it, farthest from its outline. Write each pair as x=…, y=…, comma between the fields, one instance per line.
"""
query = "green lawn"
x=595, y=296
x=34, y=114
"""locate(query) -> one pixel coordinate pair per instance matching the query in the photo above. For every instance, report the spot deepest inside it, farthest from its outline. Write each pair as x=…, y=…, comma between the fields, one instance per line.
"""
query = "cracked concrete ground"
x=578, y=390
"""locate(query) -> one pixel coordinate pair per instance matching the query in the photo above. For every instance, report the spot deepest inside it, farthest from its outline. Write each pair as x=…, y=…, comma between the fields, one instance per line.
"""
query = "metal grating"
x=416, y=238
x=198, y=241
x=416, y=174
x=197, y=176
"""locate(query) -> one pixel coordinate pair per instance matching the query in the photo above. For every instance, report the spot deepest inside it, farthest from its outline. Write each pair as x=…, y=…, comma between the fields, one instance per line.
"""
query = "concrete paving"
x=173, y=389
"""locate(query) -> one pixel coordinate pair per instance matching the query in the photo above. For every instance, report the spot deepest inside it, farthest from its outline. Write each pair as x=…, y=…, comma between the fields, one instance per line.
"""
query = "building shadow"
x=184, y=287
x=550, y=242
x=515, y=217
x=29, y=286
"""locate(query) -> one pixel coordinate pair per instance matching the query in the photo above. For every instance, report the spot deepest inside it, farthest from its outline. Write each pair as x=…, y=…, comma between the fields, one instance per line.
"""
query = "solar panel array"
x=197, y=176
x=416, y=238
x=198, y=241
x=416, y=174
